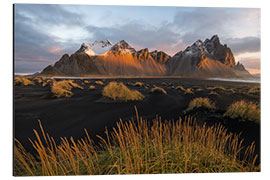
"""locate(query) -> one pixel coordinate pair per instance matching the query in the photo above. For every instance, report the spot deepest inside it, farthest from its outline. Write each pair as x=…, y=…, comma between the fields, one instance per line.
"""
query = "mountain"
x=202, y=59
x=103, y=58
x=96, y=48
x=209, y=58
x=160, y=56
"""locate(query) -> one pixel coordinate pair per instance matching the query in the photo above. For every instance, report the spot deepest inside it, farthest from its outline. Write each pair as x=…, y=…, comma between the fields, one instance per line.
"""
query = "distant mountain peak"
x=122, y=47
x=96, y=48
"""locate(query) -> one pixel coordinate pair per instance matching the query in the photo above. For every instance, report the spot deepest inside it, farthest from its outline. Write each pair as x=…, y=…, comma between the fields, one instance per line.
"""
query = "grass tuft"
x=255, y=90
x=91, y=87
x=101, y=83
x=217, y=88
x=137, y=84
x=189, y=91
x=201, y=103
x=181, y=88
x=63, y=88
x=118, y=91
x=244, y=110
x=213, y=93
x=157, y=89
x=23, y=81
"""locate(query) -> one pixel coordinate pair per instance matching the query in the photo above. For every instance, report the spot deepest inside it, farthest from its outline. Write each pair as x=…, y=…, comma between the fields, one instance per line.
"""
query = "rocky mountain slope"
x=208, y=58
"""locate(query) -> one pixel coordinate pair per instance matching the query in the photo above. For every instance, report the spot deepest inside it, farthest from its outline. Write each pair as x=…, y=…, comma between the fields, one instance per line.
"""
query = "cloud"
x=34, y=44
x=202, y=23
x=244, y=45
x=50, y=13
x=138, y=35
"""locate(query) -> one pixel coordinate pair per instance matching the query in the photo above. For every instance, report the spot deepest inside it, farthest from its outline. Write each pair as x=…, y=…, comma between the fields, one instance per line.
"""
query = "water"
x=255, y=80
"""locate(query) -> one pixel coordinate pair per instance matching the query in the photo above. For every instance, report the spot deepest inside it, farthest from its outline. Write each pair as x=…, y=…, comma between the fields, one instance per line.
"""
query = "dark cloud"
x=48, y=13
x=138, y=34
x=31, y=43
x=243, y=45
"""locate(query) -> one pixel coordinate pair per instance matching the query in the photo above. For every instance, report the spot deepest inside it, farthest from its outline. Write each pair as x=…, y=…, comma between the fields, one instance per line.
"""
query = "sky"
x=43, y=33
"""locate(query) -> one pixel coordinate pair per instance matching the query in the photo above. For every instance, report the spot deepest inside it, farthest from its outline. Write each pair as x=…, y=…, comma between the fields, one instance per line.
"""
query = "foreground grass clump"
x=201, y=103
x=118, y=91
x=63, y=88
x=23, y=81
x=138, y=147
x=244, y=110
x=157, y=89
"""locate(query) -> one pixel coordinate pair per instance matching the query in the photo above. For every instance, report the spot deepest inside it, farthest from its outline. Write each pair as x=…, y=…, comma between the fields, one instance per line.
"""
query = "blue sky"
x=43, y=33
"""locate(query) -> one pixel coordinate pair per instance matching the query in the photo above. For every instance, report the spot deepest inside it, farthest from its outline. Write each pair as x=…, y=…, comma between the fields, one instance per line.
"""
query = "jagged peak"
x=215, y=38
x=123, y=46
x=145, y=50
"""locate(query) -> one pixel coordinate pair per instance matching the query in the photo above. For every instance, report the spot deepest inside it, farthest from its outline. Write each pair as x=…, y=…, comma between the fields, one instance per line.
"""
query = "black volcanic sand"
x=88, y=109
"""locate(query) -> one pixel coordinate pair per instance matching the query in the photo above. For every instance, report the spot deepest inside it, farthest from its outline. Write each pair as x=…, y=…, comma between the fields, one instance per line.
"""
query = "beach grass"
x=244, y=110
x=119, y=91
x=139, y=147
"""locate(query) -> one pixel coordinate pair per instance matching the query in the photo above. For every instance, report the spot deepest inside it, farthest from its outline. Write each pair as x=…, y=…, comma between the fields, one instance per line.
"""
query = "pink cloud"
x=56, y=50
x=34, y=59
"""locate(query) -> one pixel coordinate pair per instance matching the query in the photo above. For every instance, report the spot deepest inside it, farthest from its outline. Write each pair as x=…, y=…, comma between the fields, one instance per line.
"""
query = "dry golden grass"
x=91, y=87
x=189, y=91
x=47, y=82
x=137, y=84
x=244, y=110
x=136, y=147
x=99, y=83
x=213, y=93
x=23, y=81
x=63, y=88
x=181, y=88
x=158, y=90
x=255, y=90
x=217, y=88
x=118, y=91
x=201, y=103
x=38, y=79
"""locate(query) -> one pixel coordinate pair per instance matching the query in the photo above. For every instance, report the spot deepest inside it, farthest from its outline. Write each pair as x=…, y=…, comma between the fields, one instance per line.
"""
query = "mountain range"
x=207, y=58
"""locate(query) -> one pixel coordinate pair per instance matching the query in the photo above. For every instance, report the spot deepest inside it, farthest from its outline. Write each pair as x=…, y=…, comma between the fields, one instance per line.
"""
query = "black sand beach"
x=88, y=109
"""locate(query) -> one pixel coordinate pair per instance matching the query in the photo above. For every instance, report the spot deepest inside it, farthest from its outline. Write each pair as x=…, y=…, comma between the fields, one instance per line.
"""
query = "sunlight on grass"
x=23, y=81
x=189, y=91
x=138, y=147
x=201, y=103
x=255, y=90
x=63, y=88
x=137, y=84
x=157, y=89
x=118, y=91
x=244, y=110
x=99, y=83
x=213, y=93
x=91, y=87
x=181, y=88
x=216, y=88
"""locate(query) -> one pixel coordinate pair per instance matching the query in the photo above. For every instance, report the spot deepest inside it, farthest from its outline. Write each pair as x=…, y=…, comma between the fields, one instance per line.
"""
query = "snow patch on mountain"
x=96, y=48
